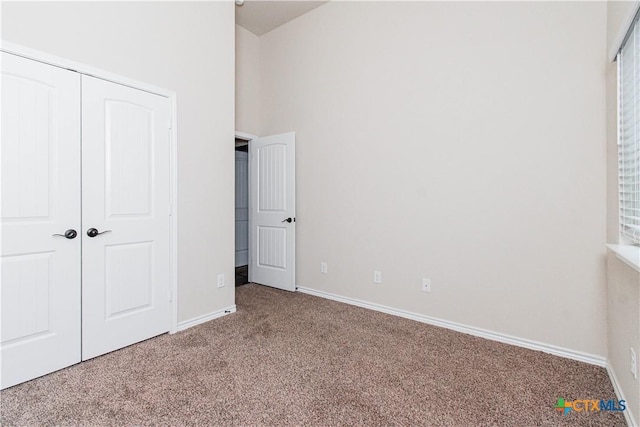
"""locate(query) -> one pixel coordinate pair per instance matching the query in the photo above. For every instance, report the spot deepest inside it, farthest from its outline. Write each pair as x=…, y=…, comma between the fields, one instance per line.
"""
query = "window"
x=629, y=137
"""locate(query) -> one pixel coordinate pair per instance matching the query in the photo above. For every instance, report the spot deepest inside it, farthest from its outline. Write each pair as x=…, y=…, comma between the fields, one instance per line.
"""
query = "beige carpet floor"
x=293, y=359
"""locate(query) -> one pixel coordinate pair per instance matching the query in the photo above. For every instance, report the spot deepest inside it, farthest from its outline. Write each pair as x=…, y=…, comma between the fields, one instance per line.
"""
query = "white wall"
x=624, y=327
x=247, y=81
x=182, y=46
x=463, y=142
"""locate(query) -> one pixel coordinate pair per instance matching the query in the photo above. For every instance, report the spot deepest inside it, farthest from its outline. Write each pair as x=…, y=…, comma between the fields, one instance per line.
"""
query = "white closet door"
x=40, y=150
x=125, y=197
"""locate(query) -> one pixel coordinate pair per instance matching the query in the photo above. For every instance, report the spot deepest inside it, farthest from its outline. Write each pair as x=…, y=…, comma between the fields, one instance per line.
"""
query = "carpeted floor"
x=293, y=359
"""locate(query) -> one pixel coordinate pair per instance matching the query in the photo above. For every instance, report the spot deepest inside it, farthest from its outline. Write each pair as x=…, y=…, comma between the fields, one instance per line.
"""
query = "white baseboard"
x=628, y=415
x=205, y=318
x=591, y=359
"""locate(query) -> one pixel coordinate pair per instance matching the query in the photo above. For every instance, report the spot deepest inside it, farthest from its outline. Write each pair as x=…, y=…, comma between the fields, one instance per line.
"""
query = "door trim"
x=80, y=68
x=245, y=136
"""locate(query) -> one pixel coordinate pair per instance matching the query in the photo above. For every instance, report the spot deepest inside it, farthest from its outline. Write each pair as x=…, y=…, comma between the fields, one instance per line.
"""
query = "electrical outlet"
x=377, y=276
x=426, y=285
x=634, y=363
x=323, y=267
x=220, y=280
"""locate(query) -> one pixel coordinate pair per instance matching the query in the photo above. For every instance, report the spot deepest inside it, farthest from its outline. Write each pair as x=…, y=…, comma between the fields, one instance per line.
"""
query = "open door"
x=272, y=240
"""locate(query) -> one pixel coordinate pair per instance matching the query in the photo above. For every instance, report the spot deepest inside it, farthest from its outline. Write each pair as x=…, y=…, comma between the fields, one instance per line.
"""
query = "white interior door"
x=242, y=208
x=273, y=211
x=125, y=198
x=40, y=150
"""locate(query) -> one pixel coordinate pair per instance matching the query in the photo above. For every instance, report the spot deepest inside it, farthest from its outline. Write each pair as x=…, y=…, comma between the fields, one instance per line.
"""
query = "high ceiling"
x=262, y=16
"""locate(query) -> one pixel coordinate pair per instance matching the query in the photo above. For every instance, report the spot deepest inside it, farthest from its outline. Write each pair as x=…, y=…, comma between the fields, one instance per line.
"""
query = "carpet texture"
x=294, y=359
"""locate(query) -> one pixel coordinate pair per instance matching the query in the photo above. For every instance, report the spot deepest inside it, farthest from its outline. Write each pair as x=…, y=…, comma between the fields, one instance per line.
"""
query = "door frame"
x=80, y=68
x=248, y=137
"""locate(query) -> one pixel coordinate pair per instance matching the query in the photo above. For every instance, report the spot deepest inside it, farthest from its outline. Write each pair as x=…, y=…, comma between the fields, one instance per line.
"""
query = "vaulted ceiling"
x=262, y=16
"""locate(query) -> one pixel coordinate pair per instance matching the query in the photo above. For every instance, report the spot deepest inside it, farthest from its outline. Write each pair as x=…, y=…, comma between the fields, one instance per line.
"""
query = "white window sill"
x=628, y=254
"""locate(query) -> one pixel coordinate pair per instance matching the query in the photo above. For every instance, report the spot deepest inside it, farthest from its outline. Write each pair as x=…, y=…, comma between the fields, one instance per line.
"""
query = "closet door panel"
x=125, y=193
x=40, y=173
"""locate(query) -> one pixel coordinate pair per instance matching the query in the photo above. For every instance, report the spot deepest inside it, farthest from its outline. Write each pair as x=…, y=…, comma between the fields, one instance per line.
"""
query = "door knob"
x=287, y=220
x=69, y=234
x=92, y=232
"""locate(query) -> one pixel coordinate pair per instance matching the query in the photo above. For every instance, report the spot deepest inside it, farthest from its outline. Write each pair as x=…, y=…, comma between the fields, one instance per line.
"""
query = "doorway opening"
x=242, y=211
